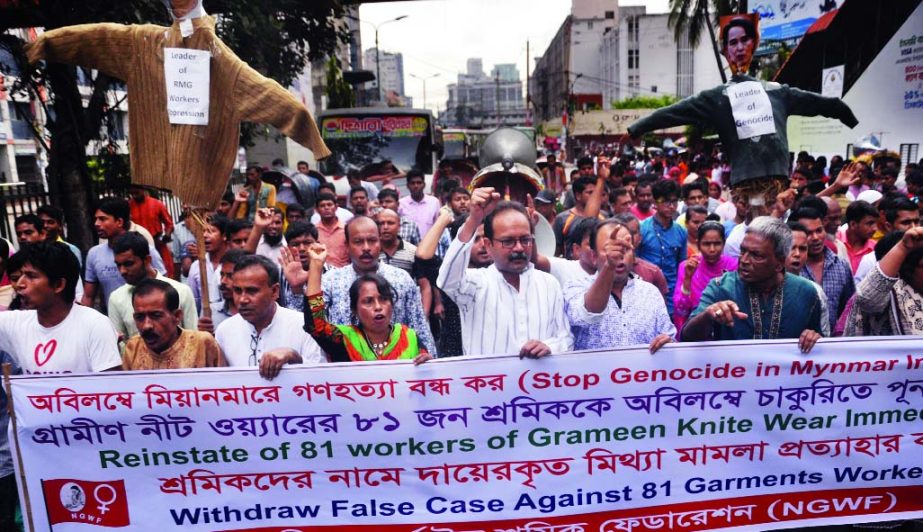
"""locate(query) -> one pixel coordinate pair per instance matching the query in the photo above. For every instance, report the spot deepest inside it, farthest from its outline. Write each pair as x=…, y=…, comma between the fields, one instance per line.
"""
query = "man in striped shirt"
x=508, y=307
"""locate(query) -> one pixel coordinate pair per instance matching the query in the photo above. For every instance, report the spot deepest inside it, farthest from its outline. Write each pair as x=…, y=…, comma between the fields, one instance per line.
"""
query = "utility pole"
x=423, y=79
x=528, y=94
x=497, y=96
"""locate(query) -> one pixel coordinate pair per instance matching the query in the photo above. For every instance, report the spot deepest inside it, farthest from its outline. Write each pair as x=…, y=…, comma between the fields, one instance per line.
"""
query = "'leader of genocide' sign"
x=696, y=437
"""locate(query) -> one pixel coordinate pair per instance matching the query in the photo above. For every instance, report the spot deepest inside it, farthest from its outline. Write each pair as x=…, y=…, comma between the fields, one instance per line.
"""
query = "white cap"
x=870, y=196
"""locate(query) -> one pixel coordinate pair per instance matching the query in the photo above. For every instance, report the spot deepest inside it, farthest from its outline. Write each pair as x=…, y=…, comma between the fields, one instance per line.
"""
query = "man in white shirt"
x=133, y=260
x=263, y=333
x=53, y=335
x=509, y=307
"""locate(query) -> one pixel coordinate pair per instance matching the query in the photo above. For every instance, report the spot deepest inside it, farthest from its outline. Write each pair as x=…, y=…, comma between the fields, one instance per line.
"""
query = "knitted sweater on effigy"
x=192, y=161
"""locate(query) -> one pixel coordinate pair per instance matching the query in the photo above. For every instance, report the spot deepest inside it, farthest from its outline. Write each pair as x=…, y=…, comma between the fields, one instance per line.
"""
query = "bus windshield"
x=454, y=144
x=377, y=144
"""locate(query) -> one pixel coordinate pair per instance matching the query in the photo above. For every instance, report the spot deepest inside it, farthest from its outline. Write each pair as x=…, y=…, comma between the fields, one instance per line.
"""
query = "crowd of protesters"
x=648, y=250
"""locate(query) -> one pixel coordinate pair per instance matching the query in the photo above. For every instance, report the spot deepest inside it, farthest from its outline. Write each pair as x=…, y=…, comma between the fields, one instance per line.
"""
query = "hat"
x=870, y=196
x=546, y=196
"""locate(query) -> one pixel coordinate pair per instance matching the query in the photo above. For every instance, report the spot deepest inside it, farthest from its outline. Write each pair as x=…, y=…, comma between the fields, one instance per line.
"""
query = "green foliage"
x=645, y=102
x=339, y=92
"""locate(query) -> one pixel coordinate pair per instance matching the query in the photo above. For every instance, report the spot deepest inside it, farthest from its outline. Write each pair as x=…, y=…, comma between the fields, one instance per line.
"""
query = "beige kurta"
x=192, y=161
x=193, y=349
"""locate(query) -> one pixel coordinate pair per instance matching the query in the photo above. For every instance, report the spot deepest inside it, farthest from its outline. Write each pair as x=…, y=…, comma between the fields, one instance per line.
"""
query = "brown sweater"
x=192, y=161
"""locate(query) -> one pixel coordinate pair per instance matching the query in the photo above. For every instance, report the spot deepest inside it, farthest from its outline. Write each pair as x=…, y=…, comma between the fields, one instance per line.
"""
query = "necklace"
x=378, y=348
x=756, y=309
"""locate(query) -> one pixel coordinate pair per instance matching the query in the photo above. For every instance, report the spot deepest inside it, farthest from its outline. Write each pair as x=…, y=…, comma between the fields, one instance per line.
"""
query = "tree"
x=339, y=92
x=276, y=37
x=693, y=16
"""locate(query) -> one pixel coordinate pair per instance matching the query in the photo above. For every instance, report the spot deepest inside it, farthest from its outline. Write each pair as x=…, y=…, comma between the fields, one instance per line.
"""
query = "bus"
x=381, y=143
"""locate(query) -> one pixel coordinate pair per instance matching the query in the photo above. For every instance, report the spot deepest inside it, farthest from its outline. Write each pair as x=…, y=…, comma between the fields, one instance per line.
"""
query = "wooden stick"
x=199, y=230
x=26, y=502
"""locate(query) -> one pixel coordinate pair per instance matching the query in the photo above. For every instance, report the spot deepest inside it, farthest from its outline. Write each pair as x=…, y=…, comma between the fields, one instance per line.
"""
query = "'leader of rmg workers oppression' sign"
x=696, y=437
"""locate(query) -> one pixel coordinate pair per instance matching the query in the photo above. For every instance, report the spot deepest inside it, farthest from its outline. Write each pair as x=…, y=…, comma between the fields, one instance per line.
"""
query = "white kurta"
x=498, y=319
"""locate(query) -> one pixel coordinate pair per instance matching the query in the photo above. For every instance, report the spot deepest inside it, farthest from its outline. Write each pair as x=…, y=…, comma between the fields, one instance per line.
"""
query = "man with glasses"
x=363, y=244
x=508, y=307
x=262, y=333
x=663, y=242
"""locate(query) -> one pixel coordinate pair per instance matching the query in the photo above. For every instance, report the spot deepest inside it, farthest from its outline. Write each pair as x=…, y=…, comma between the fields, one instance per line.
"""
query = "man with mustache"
x=796, y=261
x=613, y=308
x=161, y=343
x=760, y=301
x=364, y=247
x=263, y=333
x=509, y=307
x=133, y=260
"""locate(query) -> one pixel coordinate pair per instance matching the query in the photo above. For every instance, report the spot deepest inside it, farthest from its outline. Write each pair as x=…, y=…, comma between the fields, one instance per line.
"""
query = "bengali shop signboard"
x=706, y=436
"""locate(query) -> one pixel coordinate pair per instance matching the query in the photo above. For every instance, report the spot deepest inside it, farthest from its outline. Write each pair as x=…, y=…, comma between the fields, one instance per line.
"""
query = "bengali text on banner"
x=697, y=437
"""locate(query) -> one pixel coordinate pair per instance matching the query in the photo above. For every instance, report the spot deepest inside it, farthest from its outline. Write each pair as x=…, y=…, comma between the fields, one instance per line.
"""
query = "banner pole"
x=26, y=503
x=199, y=231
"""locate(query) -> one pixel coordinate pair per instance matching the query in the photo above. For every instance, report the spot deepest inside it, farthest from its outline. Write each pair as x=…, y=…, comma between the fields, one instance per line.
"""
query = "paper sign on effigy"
x=187, y=75
x=697, y=437
x=751, y=109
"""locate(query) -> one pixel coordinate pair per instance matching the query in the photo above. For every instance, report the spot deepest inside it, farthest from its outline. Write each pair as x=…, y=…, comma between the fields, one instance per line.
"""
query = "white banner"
x=188, y=76
x=696, y=437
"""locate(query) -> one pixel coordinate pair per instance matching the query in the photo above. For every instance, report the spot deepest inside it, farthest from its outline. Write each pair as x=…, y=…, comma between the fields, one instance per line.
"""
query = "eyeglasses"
x=254, y=345
x=671, y=201
x=510, y=243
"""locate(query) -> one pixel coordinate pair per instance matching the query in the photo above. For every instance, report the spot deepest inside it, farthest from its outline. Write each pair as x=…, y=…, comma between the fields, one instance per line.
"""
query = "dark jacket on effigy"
x=761, y=156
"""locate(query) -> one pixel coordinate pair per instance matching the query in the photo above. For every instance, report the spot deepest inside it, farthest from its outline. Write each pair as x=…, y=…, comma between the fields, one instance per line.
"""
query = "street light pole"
x=423, y=79
x=377, y=49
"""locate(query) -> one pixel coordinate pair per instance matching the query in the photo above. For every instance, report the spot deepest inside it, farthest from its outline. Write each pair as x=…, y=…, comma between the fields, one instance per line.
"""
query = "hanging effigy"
x=750, y=117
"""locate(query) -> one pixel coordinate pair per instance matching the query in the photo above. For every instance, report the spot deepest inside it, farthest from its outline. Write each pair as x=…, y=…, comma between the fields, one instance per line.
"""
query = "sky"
x=438, y=36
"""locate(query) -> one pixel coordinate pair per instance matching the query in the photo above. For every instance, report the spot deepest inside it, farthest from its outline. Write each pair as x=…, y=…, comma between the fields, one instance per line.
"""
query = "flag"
x=103, y=503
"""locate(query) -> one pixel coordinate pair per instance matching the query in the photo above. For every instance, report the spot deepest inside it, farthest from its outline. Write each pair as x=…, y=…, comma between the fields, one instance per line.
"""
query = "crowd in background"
x=648, y=249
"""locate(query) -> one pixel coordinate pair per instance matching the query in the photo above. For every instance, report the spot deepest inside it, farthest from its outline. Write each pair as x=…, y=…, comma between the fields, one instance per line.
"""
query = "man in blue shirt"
x=662, y=241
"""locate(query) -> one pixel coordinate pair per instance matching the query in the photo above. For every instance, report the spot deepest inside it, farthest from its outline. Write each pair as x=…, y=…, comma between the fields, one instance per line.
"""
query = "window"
x=909, y=153
x=632, y=58
x=589, y=25
x=654, y=89
x=610, y=14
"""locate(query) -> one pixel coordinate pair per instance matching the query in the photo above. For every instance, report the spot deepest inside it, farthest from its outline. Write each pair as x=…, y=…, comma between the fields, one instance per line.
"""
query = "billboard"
x=786, y=19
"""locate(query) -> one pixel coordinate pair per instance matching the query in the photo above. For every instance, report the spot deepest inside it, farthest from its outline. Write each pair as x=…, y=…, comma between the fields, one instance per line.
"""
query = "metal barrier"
x=17, y=199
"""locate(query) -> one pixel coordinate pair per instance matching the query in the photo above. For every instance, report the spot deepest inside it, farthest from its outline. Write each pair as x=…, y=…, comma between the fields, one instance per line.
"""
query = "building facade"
x=642, y=57
x=478, y=100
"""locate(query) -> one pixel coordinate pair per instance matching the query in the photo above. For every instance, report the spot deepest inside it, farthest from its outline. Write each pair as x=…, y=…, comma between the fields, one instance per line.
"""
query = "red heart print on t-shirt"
x=46, y=351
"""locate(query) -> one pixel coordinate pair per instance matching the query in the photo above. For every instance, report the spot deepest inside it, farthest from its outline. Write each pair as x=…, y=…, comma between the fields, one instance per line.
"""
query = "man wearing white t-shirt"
x=52, y=334
x=262, y=333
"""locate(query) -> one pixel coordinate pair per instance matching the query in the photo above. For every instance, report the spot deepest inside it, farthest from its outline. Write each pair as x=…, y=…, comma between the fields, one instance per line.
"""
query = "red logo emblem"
x=44, y=352
x=102, y=503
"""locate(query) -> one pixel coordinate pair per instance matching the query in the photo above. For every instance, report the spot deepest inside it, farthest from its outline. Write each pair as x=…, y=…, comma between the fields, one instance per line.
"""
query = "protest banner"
x=699, y=436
